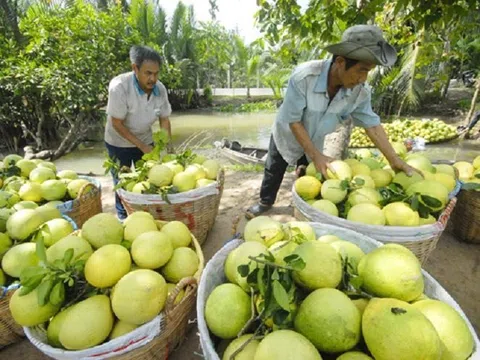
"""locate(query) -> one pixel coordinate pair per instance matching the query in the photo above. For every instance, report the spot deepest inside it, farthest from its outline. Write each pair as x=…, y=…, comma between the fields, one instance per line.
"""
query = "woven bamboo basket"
x=421, y=240
x=197, y=208
x=10, y=331
x=171, y=326
x=466, y=217
x=87, y=204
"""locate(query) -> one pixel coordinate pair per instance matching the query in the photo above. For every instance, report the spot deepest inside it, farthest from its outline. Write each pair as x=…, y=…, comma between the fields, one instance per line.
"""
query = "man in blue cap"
x=320, y=96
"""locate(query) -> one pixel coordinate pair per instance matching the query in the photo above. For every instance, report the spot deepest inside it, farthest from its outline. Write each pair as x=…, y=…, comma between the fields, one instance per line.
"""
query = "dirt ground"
x=454, y=264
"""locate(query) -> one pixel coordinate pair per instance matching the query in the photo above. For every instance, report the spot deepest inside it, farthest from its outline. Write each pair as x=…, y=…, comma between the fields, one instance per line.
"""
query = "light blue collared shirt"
x=306, y=100
x=155, y=91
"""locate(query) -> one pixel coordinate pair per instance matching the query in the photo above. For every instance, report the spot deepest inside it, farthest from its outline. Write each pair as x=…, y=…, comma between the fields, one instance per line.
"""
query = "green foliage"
x=267, y=105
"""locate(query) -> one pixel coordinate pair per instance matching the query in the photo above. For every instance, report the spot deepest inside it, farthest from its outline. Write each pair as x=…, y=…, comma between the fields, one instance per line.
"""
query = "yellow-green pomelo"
x=430, y=188
x=401, y=214
x=199, y=159
x=48, y=164
x=381, y=177
x=328, y=238
x=139, y=296
x=160, y=175
x=241, y=257
x=372, y=163
x=197, y=171
x=465, y=170
x=5, y=243
x=140, y=187
x=211, y=169
x=79, y=245
x=323, y=266
x=445, y=169
x=54, y=326
x=67, y=174
x=451, y=327
x=392, y=271
x=152, y=250
x=361, y=304
x=395, y=330
x=402, y=179
x=26, y=167
x=30, y=191
x=53, y=204
x=88, y=323
x=341, y=170
x=74, y=187
x=427, y=221
x=308, y=187
x=3, y=278
x=354, y=355
x=26, y=311
x=400, y=148
x=476, y=162
x=229, y=267
x=326, y=206
x=282, y=249
x=248, y=351
x=102, y=229
x=330, y=320
x=364, y=196
x=360, y=169
x=367, y=214
x=389, y=169
x=264, y=230
x=183, y=263
x=181, y=293
x=137, y=214
x=286, y=345
x=350, y=251
x=107, y=265
x=178, y=233
x=447, y=180
x=364, y=181
x=351, y=161
x=121, y=328
x=41, y=174
x=364, y=153
x=175, y=167
x=54, y=230
x=227, y=310
x=296, y=228
x=11, y=159
x=419, y=162
x=53, y=190
x=203, y=182
x=18, y=258
x=4, y=216
x=184, y=181
x=312, y=171
x=48, y=212
x=332, y=190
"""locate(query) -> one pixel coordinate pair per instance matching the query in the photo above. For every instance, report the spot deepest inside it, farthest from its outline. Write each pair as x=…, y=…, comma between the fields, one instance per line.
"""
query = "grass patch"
x=266, y=105
x=246, y=167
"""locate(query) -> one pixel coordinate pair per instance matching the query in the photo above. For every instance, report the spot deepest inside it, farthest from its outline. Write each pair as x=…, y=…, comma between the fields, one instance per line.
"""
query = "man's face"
x=147, y=74
x=355, y=75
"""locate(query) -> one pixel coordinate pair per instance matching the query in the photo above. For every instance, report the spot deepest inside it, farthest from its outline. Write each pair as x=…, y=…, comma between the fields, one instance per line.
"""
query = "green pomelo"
x=445, y=169
x=26, y=311
x=5, y=243
x=308, y=187
x=381, y=177
x=323, y=266
x=184, y=181
x=400, y=149
x=22, y=224
x=427, y=221
x=364, y=181
x=326, y=206
x=227, y=310
x=341, y=171
x=354, y=355
x=328, y=239
x=364, y=153
x=183, y=263
x=178, y=233
x=361, y=304
x=107, y=265
x=360, y=169
x=48, y=212
x=229, y=267
x=401, y=214
x=181, y=293
x=26, y=167
x=67, y=174
x=54, y=230
x=465, y=170
x=53, y=190
x=286, y=345
x=394, y=329
x=75, y=186
x=102, y=229
x=476, y=162
x=137, y=214
x=48, y=164
x=121, y=328
x=367, y=214
x=199, y=159
x=175, y=167
x=241, y=257
x=137, y=226
x=141, y=187
x=18, y=258
x=332, y=190
x=79, y=245
x=41, y=174
x=419, y=162
x=282, y=249
x=54, y=326
x=264, y=230
x=203, y=182
x=211, y=169
x=300, y=228
x=160, y=175
x=348, y=251
x=247, y=352
x=312, y=171
x=430, y=188
x=364, y=195
x=4, y=216
x=152, y=250
x=405, y=181
x=372, y=163
x=448, y=181
x=11, y=159
x=197, y=171
x=30, y=192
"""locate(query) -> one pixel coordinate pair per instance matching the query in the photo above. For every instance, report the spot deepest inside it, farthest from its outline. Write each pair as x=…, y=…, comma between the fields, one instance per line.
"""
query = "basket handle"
x=84, y=188
x=170, y=306
x=201, y=259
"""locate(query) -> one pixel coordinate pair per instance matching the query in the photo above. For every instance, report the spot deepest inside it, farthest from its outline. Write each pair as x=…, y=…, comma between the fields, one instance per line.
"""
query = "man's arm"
x=127, y=134
x=165, y=124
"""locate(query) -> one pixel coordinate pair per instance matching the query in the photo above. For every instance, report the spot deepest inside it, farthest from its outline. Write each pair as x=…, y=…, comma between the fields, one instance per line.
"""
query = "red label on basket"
x=181, y=212
x=120, y=348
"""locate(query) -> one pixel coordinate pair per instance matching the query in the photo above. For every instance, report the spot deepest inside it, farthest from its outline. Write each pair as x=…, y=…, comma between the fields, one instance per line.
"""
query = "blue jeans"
x=126, y=157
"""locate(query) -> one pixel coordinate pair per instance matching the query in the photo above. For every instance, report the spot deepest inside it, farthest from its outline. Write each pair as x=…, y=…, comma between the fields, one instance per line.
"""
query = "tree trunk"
x=474, y=101
x=12, y=19
x=447, y=85
x=336, y=144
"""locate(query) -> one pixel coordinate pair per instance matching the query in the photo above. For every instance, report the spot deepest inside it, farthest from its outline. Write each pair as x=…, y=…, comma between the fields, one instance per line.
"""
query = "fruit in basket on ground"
x=181, y=293
x=41, y=174
x=13, y=183
x=432, y=189
x=364, y=153
x=53, y=190
x=323, y=266
x=137, y=214
x=184, y=181
x=197, y=171
x=366, y=213
x=48, y=212
x=392, y=271
x=174, y=166
x=160, y=175
x=26, y=167
x=360, y=169
x=282, y=249
x=372, y=163
x=296, y=228
x=183, y=263
x=136, y=226
x=18, y=258
x=203, y=182
x=311, y=170
x=212, y=168
x=78, y=244
x=451, y=328
x=363, y=181
x=330, y=320
x=103, y=229
x=341, y=170
x=364, y=196
x=286, y=345
x=27, y=312
x=54, y=230
x=139, y=296
x=87, y=324
x=25, y=205
x=405, y=181
x=361, y=304
x=328, y=238
x=326, y=206
x=241, y=257
x=354, y=355
x=140, y=187
x=67, y=174
x=30, y=192
x=400, y=214
x=74, y=187
x=8, y=199
x=445, y=169
x=247, y=353
x=350, y=251
x=465, y=170
x=381, y=177
x=399, y=148
x=427, y=221
x=476, y=162
x=11, y=159
x=394, y=329
x=5, y=243
x=4, y=216
x=446, y=180
x=199, y=159
x=107, y=265
x=178, y=233
x=308, y=187
x=263, y=229
x=121, y=328
x=22, y=224
x=48, y=165
x=227, y=310
x=54, y=326
x=332, y=190
x=419, y=162
x=151, y=250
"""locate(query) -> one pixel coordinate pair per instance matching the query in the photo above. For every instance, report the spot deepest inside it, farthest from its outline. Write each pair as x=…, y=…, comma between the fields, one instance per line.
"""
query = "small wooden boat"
x=244, y=155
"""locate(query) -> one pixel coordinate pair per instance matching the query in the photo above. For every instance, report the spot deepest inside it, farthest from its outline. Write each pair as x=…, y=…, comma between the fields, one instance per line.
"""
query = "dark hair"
x=348, y=62
x=139, y=54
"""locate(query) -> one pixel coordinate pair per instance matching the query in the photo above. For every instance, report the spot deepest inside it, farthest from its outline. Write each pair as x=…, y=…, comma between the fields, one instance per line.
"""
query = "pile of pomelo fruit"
x=104, y=281
x=365, y=189
x=432, y=130
x=290, y=295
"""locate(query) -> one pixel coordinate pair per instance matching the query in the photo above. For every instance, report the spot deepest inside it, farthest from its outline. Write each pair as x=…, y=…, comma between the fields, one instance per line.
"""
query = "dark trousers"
x=275, y=168
x=126, y=157
x=475, y=120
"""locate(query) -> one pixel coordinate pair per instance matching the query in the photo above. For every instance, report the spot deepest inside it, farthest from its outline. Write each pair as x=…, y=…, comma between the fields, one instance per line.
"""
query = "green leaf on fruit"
x=68, y=256
x=431, y=201
x=40, y=249
x=57, y=295
x=471, y=186
x=280, y=316
x=43, y=292
x=243, y=270
x=25, y=290
x=260, y=281
x=295, y=262
x=359, y=182
x=252, y=277
x=344, y=185
x=280, y=295
x=414, y=203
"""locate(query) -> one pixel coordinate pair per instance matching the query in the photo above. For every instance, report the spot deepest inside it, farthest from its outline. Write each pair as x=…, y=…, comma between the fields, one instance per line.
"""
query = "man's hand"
x=400, y=165
x=322, y=163
x=146, y=148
